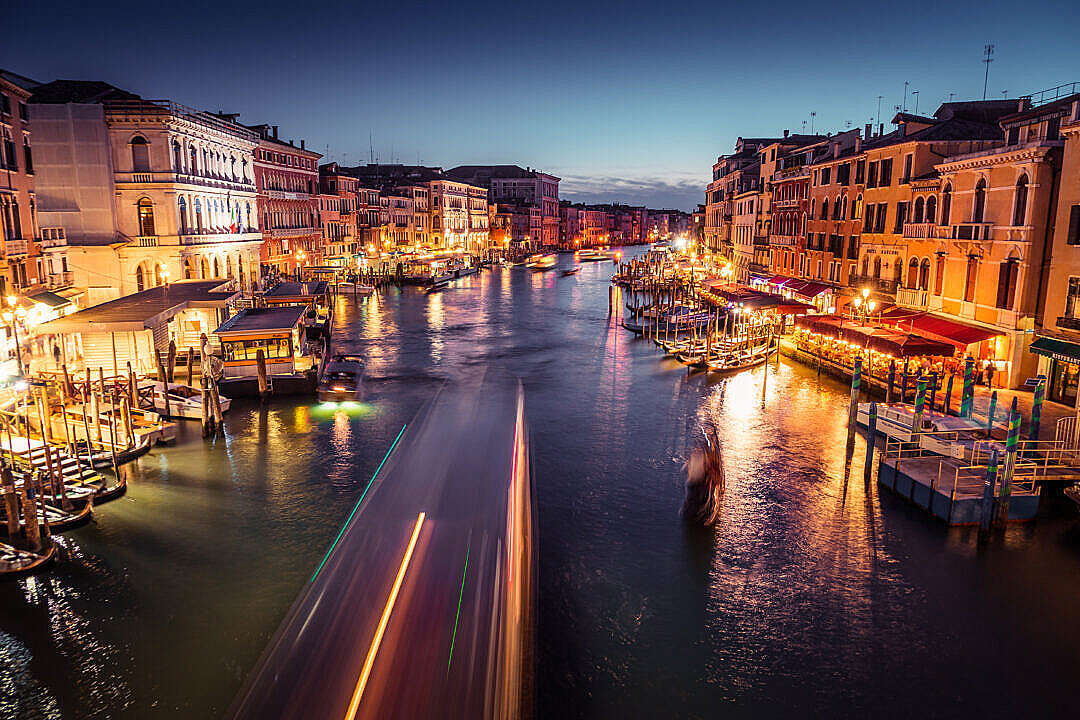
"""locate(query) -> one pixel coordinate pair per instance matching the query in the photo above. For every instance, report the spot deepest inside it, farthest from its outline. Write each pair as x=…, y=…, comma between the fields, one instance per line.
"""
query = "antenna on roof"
x=916, y=94
x=988, y=57
x=879, y=98
x=371, y=147
x=812, y=116
x=906, y=83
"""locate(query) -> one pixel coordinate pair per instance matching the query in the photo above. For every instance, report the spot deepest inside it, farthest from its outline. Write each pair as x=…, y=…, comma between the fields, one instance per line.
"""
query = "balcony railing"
x=219, y=237
x=59, y=279
x=912, y=298
x=291, y=232
x=919, y=230
x=147, y=241
x=15, y=247
x=142, y=177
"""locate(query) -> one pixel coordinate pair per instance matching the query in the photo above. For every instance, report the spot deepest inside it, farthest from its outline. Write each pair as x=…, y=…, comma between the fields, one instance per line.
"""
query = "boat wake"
x=705, y=481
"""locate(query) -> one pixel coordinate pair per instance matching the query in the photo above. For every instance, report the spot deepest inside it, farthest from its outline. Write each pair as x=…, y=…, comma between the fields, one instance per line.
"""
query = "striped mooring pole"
x=1010, y=464
x=853, y=407
x=968, y=395
x=1036, y=410
x=903, y=385
x=986, y=510
x=892, y=381
x=990, y=415
x=871, y=436
x=920, y=402
x=947, y=405
x=933, y=391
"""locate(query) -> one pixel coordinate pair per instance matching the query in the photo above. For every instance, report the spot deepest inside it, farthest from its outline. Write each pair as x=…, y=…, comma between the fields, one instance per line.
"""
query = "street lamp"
x=12, y=318
x=299, y=261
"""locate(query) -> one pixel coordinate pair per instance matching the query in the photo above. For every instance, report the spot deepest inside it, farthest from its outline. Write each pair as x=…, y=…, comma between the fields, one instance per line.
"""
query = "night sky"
x=628, y=101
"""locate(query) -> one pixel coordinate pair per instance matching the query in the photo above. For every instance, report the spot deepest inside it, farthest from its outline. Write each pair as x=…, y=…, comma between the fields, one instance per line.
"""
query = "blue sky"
x=627, y=101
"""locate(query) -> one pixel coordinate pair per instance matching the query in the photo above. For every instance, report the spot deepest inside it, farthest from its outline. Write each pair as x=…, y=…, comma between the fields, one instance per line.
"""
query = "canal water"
x=816, y=594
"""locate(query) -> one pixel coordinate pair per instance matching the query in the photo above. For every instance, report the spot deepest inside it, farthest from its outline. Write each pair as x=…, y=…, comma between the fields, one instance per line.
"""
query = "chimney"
x=881, y=129
x=274, y=127
x=836, y=149
x=786, y=133
x=302, y=143
x=869, y=130
x=858, y=145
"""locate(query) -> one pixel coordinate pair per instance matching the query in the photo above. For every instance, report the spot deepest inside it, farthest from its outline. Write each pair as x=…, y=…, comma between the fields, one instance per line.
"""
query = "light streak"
x=346, y=524
x=461, y=594
x=354, y=705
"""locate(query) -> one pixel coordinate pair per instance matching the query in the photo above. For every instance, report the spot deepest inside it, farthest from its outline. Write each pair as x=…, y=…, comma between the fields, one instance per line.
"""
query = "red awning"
x=938, y=328
x=809, y=289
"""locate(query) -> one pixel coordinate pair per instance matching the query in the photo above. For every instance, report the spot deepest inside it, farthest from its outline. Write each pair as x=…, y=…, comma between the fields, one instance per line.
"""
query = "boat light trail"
x=359, y=692
x=461, y=594
x=362, y=495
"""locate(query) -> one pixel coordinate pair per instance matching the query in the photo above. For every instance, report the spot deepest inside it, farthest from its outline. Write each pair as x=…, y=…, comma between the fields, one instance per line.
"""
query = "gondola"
x=437, y=286
x=14, y=561
x=571, y=271
x=741, y=361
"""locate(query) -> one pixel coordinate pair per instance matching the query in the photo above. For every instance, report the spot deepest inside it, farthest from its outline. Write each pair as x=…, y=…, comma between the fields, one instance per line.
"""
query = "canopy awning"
x=938, y=328
x=1057, y=349
x=880, y=339
x=809, y=289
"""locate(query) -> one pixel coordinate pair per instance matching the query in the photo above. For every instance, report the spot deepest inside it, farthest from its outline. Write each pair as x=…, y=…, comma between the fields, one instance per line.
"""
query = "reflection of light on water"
x=340, y=410
x=301, y=421
x=436, y=322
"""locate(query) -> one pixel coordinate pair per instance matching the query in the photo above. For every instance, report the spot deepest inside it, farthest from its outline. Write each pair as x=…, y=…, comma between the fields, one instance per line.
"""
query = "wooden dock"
x=952, y=491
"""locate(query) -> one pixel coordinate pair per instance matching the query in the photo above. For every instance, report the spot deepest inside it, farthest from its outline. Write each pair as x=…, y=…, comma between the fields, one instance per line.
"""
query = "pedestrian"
x=56, y=355
x=989, y=374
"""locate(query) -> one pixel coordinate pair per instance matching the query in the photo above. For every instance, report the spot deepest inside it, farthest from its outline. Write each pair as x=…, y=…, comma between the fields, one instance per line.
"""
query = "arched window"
x=931, y=209
x=247, y=218
x=865, y=265
x=979, y=210
x=182, y=209
x=140, y=279
x=159, y=275
x=898, y=270
x=813, y=207
x=946, y=204
x=877, y=267
x=912, y=273
x=836, y=209
x=140, y=154
x=228, y=267
x=825, y=209
x=178, y=157
x=969, y=278
x=217, y=268
x=190, y=271
x=198, y=216
x=205, y=269
x=1006, y=292
x=924, y=274
x=146, y=217
x=917, y=211
x=857, y=208
x=1020, y=209
x=843, y=208
x=193, y=160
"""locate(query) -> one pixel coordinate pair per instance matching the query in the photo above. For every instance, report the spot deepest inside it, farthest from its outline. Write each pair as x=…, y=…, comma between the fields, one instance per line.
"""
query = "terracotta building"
x=287, y=182
x=18, y=202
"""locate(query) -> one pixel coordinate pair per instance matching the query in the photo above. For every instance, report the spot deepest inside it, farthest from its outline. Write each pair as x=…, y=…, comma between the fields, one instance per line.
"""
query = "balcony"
x=213, y=238
x=146, y=241
x=919, y=230
x=59, y=280
x=913, y=298
x=293, y=232
x=783, y=240
x=15, y=247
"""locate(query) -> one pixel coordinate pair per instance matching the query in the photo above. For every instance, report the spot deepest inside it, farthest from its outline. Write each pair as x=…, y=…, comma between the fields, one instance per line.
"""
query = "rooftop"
x=313, y=288
x=254, y=320
x=146, y=309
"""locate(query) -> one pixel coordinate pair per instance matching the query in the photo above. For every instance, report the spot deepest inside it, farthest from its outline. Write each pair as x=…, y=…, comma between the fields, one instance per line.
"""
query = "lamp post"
x=13, y=318
x=864, y=306
x=299, y=261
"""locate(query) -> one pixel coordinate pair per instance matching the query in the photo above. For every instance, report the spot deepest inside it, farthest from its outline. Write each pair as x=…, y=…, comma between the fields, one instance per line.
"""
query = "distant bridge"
x=424, y=606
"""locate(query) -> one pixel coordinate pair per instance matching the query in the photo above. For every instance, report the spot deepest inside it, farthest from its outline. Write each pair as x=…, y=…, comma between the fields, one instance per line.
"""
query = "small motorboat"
x=571, y=271
x=341, y=379
x=437, y=286
x=185, y=401
x=544, y=262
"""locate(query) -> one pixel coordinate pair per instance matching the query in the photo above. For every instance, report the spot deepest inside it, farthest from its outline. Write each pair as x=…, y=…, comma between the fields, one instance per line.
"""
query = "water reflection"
x=812, y=595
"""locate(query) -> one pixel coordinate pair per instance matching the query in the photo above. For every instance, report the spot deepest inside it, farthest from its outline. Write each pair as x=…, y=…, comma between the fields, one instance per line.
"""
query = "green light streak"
x=362, y=496
x=460, y=596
